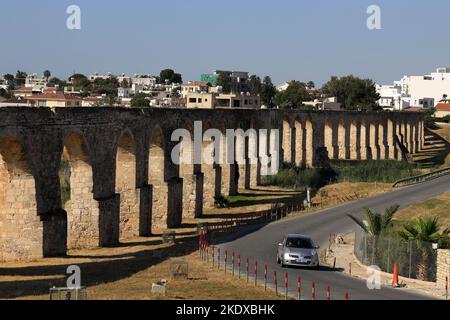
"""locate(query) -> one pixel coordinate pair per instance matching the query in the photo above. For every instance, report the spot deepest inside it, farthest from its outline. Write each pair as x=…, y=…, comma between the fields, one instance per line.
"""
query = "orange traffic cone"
x=395, y=277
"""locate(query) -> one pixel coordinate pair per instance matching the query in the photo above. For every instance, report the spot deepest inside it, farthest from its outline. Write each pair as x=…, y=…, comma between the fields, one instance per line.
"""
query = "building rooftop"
x=443, y=107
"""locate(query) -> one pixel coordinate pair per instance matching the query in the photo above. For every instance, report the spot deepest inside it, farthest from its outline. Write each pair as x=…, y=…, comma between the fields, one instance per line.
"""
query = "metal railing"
x=414, y=259
x=254, y=218
x=421, y=178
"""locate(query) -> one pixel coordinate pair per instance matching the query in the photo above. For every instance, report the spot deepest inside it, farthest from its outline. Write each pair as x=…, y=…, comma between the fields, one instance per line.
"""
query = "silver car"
x=298, y=250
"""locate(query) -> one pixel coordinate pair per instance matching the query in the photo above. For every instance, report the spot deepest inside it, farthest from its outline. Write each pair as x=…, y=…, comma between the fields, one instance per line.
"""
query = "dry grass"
x=127, y=273
x=351, y=188
x=438, y=206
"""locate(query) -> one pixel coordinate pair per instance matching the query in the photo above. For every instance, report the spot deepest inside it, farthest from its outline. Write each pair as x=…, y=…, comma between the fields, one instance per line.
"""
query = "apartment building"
x=54, y=100
x=194, y=87
x=212, y=100
x=423, y=91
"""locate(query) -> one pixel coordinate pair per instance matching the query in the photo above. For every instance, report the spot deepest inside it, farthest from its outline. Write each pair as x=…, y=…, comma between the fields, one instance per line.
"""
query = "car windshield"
x=300, y=243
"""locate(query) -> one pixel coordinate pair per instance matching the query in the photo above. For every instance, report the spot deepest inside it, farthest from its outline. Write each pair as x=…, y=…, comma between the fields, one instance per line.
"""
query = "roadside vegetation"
x=385, y=171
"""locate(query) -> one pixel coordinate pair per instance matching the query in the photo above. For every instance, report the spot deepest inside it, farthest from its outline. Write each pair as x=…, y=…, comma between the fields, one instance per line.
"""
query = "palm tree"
x=375, y=224
x=424, y=230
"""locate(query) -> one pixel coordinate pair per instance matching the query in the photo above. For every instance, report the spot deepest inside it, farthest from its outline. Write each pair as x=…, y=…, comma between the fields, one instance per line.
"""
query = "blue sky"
x=286, y=39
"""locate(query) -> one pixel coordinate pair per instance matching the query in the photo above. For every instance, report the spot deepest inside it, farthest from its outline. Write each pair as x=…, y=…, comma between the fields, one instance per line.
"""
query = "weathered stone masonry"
x=123, y=182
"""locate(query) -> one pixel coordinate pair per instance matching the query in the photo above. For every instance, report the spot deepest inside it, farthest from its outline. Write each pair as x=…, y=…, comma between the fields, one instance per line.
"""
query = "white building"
x=35, y=82
x=416, y=91
x=96, y=75
x=147, y=81
x=391, y=97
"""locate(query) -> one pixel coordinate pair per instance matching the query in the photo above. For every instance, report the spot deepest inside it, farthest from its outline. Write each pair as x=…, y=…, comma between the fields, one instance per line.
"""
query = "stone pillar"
x=160, y=200
x=264, y=152
x=274, y=150
x=299, y=146
x=391, y=145
x=192, y=199
x=382, y=141
x=254, y=160
x=229, y=183
x=317, y=142
x=405, y=135
x=421, y=136
x=244, y=175
x=54, y=234
x=175, y=200
x=354, y=153
x=416, y=144
x=410, y=138
x=209, y=185
x=287, y=142
x=342, y=141
x=335, y=140
x=364, y=140
x=374, y=146
x=109, y=209
x=145, y=209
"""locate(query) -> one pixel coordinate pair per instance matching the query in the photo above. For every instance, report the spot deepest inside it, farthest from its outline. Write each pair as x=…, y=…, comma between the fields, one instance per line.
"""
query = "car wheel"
x=278, y=260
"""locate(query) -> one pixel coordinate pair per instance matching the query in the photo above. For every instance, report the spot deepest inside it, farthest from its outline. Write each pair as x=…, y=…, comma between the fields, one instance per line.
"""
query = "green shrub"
x=385, y=171
x=221, y=202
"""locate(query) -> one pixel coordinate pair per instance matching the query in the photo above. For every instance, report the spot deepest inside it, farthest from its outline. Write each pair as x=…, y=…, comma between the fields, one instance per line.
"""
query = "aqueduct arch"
x=77, y=193
x=121, y=166
x=156, y=178
x=126, y=186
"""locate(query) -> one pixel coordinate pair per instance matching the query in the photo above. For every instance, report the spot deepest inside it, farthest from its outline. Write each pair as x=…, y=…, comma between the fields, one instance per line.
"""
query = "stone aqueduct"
x=123, y=181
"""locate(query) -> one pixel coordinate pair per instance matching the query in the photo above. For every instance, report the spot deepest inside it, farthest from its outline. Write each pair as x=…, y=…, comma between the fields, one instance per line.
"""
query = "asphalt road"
x=261, y=243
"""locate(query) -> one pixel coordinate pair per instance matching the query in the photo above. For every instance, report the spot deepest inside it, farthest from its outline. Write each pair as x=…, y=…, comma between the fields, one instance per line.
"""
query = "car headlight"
x=287, y=256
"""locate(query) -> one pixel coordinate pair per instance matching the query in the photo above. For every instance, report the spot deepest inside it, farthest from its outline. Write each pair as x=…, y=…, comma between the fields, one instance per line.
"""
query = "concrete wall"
x=124, y=183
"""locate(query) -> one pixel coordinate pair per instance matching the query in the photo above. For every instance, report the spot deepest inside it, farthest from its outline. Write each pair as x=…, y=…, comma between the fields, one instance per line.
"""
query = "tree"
x=353, y=93
x=375, y=224
x=168, y=75
x=10, y=80
x=5, y=94
x=177, y=78
x=140, y=100
x=425, y=230
x=20, y=77
x=224, y=81
x=107, y=86
x=175, y=93
x=310, y=85
x=255, y=85
x=292, y=97
x=81, y=82
x=53, y=82
x=47, y=74
x=268, y=92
